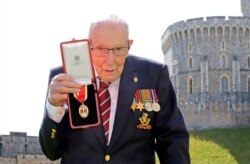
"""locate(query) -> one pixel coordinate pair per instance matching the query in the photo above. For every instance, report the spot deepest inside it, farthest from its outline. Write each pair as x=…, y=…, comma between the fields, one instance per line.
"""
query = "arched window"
x=190, y=85
x=212, y=33
x=224, y=84
x=248, y=85
x=205, y=33
x=190, y=62
x=190, y=47
x=180, y=35
x=192, y=34
x=176, y=37
x=222, y=45
x=186, y=34
x=248, y=62
x=198, y=32
x=220, y=33
x=223, y=61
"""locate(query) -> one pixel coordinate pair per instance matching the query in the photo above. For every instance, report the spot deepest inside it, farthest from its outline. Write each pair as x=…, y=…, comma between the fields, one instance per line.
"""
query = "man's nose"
x=110, y=57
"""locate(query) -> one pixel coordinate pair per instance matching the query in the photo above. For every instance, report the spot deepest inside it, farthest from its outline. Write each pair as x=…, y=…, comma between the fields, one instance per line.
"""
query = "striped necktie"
x=104, y=103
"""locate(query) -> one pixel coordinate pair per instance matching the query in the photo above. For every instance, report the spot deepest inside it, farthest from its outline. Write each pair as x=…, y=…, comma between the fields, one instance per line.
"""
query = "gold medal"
x=83, y=111
x=156, y=107
x=81, y=97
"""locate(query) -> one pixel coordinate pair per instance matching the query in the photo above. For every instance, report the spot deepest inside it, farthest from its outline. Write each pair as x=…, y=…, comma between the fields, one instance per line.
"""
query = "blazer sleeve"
x=172, y=138
x=52, y=134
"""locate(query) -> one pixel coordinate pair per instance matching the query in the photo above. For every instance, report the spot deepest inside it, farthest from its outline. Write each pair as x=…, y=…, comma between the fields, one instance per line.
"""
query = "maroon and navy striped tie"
x=104, y=102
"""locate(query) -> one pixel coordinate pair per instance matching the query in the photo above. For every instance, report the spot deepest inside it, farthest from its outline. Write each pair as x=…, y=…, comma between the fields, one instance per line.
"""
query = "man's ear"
x=130, y=42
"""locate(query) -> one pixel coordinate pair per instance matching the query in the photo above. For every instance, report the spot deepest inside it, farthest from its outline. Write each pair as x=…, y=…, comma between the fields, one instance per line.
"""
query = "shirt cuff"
x=56, y=113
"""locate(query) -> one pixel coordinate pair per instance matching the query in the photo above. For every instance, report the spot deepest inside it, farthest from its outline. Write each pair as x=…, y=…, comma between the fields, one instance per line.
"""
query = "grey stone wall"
x=19, y=143
x=209, y=64
x=18, y=148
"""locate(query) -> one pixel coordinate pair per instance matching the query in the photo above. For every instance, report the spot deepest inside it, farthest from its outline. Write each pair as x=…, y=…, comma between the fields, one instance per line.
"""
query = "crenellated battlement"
x=184, y=30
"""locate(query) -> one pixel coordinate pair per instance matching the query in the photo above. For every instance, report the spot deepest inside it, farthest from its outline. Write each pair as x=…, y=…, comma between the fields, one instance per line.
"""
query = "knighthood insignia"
x=146, y=99
x=144, y=122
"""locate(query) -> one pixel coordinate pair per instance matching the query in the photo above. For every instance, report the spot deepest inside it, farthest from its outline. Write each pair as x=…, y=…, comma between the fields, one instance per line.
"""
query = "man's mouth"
x=112, y=70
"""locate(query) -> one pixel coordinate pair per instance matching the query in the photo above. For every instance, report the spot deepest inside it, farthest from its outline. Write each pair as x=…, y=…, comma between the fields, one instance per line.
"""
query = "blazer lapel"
x=127, y=88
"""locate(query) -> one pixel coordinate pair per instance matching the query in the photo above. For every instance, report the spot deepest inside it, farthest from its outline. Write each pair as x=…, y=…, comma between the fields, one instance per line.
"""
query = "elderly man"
x=143, y=113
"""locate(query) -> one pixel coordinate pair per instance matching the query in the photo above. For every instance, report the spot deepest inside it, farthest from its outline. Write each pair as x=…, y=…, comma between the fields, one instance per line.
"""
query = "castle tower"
x=245, y=8
x=209, y=66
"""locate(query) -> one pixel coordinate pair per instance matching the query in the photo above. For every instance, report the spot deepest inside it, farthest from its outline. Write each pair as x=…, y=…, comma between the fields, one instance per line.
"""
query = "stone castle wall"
x=27, y=159
x=209, y=65
x=18, y=148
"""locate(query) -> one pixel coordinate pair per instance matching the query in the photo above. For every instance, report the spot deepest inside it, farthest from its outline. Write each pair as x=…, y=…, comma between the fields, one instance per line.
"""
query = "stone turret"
x=209, y=65
x=245, y=8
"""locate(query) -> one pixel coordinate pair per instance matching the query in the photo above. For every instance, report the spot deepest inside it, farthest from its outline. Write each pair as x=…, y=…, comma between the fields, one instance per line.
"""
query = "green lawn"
x=220, y=146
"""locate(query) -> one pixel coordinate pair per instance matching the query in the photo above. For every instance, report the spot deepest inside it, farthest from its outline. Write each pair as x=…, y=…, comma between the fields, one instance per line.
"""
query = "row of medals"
x=148, y=106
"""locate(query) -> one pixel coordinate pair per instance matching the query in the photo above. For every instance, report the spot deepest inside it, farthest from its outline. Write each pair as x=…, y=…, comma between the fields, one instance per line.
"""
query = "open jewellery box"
x=83, y=106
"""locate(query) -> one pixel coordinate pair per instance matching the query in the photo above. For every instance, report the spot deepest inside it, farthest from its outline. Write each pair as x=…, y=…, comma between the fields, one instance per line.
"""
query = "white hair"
x=113, y=19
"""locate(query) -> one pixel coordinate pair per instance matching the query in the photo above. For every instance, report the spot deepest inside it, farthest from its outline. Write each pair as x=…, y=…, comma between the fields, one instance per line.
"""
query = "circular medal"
x=83, y=111
x=148, y=106
x=156, y=107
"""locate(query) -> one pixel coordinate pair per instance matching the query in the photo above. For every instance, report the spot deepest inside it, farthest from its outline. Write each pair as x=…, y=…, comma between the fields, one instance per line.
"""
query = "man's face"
x=110, y=66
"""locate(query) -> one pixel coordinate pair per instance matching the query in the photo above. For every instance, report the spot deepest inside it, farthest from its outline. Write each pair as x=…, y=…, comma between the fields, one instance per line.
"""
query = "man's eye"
x=118, y=49
x=104, y=50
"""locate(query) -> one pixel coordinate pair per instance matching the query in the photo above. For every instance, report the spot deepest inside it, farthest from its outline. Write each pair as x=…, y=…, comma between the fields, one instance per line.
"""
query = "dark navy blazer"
x=129, y=144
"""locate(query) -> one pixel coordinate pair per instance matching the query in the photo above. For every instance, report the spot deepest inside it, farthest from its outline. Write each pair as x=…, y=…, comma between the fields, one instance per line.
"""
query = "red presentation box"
x=83, y=106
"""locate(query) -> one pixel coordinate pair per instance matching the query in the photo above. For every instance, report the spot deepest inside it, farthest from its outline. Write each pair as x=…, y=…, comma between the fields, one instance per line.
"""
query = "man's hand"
x=59, y=88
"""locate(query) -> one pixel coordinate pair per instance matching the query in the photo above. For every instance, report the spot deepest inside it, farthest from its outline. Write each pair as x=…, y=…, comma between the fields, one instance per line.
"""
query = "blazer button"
x=107, y=157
